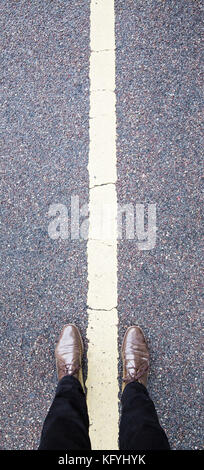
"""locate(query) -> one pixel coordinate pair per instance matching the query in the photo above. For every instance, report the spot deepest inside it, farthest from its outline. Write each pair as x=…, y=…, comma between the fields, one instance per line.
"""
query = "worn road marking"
x=102, y=380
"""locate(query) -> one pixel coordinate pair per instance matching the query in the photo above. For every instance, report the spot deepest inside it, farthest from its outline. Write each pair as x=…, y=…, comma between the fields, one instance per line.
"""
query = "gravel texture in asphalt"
x=45, y=156
x=158, y=88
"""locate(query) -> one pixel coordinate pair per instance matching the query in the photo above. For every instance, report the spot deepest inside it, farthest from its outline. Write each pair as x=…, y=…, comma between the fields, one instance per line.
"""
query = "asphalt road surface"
x=46, y=50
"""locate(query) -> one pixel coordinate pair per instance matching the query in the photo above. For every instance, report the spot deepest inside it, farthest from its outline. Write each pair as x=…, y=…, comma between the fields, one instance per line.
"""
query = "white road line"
x=102, y=383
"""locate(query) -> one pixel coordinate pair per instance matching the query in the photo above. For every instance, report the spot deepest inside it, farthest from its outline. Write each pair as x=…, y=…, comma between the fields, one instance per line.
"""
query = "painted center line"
x=102, y=380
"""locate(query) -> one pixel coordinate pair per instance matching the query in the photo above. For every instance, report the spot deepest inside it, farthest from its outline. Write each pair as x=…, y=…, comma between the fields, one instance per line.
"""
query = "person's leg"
x=66, y=426
x=139, y=426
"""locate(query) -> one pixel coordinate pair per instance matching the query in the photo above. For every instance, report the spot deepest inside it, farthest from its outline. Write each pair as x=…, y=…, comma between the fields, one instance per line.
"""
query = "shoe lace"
x=136, y=374
x=74, y=371
x=66, y=368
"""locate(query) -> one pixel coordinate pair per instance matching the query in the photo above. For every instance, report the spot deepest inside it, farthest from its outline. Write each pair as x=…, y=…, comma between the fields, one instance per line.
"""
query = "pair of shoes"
x=135, y=355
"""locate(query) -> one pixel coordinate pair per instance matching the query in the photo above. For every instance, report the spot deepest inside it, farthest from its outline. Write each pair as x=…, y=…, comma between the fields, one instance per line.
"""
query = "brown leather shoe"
x=135, y=356
x=69, y=352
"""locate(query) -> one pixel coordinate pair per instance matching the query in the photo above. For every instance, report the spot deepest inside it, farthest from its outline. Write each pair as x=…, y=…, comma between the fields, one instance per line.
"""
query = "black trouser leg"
x=139, y=427
x=66, y=426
